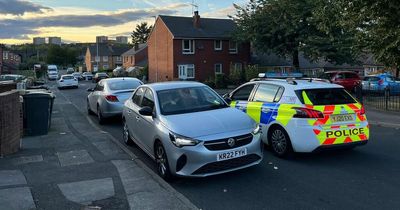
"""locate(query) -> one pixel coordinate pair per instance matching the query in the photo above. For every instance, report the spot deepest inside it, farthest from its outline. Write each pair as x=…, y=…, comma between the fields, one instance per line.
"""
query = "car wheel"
x=100, y=116
x=279, y=141
x=89, y=111
x=162, y=162
x=127, y=139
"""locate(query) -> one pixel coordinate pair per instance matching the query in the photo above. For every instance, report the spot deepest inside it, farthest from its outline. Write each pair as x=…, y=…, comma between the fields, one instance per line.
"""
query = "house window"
x=119, y=58
x=97, y=59
x=105, y=58
x=186, y=71
x=188, y=46
x=237, y=66
x=105, y=66
x=218, y=68
x=233, y=47
x=218, y=45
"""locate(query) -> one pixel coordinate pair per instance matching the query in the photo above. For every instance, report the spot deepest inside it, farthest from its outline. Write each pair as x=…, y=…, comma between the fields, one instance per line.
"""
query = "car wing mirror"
x=146, y=111
x=227, y=98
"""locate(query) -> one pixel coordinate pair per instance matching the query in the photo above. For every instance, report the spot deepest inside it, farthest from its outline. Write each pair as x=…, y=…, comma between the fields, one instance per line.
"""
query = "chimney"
x=196, y=19
x=136, y=46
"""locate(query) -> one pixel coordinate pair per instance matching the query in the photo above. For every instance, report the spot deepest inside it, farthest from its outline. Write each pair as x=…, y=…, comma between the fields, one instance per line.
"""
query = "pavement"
x=79, y=166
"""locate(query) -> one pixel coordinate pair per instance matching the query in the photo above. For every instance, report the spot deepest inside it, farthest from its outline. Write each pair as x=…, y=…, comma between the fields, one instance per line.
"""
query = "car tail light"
x=112, y=98
x=362, y=110
x=380, y=82
x=307, y=113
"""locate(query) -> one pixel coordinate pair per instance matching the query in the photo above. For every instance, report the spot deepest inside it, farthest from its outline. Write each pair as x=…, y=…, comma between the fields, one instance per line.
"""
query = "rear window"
x=333, y=96
x=351, y=75
x=327, y=76
x=68, y=77
x=123, y=85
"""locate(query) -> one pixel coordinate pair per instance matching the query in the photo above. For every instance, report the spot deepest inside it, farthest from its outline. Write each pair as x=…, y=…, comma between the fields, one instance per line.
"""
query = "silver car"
x=189, y=130
x=107, y=98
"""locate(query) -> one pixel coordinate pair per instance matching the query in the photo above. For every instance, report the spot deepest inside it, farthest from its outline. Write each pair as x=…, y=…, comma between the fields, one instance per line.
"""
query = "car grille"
x=222, y=144
x=227, y=164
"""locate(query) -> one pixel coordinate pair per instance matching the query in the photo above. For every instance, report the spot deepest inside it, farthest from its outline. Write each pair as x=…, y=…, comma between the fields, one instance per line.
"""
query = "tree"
x=378, y=28
x=288, y=27
x=141, y=33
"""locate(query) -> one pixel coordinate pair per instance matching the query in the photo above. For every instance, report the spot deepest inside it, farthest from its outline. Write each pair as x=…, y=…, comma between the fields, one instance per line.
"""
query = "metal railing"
x=384, y=99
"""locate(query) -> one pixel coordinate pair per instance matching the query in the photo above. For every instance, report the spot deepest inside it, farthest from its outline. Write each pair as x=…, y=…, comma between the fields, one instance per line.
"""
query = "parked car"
x=87, y=76
x=380, y=82
x=300, y=115
x=77, y=76
x=70, y=70
x=67, y=81
x=52, y=75
x=109, y=95
x=348, y=79
x=189, y=130
x=99, y=76
x=13, y=77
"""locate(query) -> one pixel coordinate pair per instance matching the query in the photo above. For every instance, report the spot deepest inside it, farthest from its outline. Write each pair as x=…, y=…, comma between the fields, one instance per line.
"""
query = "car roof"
x=300, y=84
x=120, y=79
x=173, y=85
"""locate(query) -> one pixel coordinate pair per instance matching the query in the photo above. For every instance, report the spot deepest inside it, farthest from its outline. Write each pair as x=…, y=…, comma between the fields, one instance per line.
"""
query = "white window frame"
x=233, y=50
x=105, y=58
x=183, y=71
x=106, y=66
x=220, y=68
x=215, y=45
x=190, y=50
x=119, y=58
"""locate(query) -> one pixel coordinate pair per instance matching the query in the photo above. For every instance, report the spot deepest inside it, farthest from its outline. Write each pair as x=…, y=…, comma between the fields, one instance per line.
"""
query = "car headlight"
x=181, y=141
x=257, y=129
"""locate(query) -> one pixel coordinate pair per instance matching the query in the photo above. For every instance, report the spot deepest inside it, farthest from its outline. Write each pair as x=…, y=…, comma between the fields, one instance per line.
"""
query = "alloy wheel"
x=161, y=160
x=279, y=141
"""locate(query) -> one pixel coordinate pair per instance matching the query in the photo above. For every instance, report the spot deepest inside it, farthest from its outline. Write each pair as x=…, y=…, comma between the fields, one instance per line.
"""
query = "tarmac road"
x=364, y=178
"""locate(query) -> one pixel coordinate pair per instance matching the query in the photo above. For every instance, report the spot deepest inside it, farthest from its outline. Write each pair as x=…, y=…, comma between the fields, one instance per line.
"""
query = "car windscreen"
x=187, y=100
x=326, y=96
x=68, y=77
x=123, y=84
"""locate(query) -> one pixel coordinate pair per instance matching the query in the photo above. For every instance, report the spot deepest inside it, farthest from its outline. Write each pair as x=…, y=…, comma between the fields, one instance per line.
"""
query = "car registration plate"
x=231, y=154
x=342, y=118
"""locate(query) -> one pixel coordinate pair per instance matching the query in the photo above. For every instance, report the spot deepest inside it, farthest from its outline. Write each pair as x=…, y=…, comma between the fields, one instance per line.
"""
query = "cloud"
x=20, y=7
x=19, y=27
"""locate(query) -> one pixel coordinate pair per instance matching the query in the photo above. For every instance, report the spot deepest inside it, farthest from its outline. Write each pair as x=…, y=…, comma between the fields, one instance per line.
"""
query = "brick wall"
x=160, y=53
x=205, y=57
x=10, y=122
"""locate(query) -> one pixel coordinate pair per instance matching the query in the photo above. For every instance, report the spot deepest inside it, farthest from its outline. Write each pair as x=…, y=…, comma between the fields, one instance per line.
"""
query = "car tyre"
x=100, y=116
x=127, y=138
x=279, y=142
x=162, y=162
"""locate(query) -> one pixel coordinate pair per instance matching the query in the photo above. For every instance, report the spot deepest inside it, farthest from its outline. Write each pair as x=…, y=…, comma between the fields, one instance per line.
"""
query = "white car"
x=302, y=115
x=67, y=81
x=52, y=75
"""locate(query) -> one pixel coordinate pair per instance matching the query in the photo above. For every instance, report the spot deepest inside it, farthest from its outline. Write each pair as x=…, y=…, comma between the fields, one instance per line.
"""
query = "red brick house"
x=1, y=59
x=10, y=61
x=188, y=48
x=137, y=56
x=109, y=56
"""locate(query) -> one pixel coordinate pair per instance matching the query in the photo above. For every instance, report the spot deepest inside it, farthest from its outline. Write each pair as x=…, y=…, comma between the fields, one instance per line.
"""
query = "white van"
x=52, y=72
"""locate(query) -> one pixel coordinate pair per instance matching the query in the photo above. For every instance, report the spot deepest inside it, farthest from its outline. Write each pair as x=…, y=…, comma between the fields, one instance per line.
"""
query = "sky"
x=83, y=20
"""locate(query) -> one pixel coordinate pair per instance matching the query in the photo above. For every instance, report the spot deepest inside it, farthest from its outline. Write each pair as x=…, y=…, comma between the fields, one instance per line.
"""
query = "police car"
x=302, y=115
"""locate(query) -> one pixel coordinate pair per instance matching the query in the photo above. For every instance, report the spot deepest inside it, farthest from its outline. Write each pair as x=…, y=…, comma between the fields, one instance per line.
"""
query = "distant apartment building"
x=55, y=40
x=39, y=40
x=101, y=39
x=121, y=39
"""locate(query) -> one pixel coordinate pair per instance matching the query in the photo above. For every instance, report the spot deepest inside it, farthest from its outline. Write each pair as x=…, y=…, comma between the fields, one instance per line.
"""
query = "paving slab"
x=85, y=192
x=107, y=148
x=11, y=177
x=28, y=159
x=19, y=198
x=75, y=157
x=158, y=200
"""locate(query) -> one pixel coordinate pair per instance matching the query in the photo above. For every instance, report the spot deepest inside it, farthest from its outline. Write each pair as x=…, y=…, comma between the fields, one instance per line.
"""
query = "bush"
x=220, y=81
x=251, y=72
x=235, y=77
x=210, y=82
